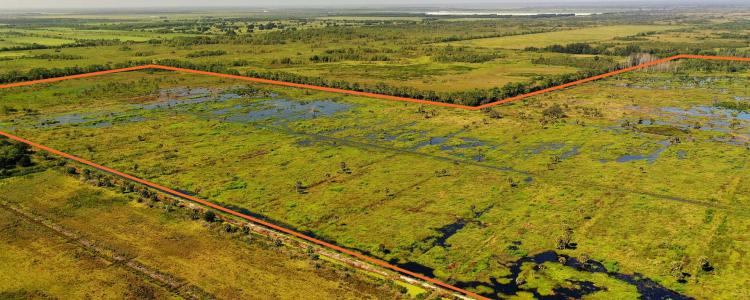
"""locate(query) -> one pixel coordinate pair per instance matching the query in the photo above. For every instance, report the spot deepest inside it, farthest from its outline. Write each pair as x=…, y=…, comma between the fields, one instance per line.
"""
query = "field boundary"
x=168, y=281
x=376, y=95
x=255, y=220
x=291, y=232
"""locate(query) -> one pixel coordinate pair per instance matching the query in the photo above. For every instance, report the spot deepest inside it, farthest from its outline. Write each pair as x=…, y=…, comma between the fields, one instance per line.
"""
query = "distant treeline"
x=205, y=53
x=596, y=62
x=43, y=73
x=354, y=54
x=461, y=54
x=605, y=49
x=714, y=66
x=424, y=33
x=77, y=43
x=584, y=48
x=471, y=97
x=455, y=38
x=57, y=56
x=500, y=16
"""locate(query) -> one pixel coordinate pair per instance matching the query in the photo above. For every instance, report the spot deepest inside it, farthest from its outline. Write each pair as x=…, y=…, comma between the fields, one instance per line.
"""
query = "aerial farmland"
x=381, y=154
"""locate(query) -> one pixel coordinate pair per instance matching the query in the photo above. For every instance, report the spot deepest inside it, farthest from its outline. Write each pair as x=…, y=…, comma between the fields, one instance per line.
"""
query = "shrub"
x=492, y=113
x=209, y=216
x=554, y=112
x=14, y=154
x=204, y=53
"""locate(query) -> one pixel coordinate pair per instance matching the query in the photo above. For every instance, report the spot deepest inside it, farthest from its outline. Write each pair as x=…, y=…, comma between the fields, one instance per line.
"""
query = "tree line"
x=352, y=54
x=716, y=66
x=595, y=62
x=461, y=54
x=57, y=56
x=14, y=154
x=630, y=49
x=471, y=97
x=585, y=48
x=77, y=43
x=205, y=53
x=15, y=158
x=43, y=73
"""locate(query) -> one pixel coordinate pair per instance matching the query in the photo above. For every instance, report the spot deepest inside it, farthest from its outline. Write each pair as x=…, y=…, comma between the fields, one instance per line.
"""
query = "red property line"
x=381, y=96
x=335, y=90
x=244, y=216
x=613, y=73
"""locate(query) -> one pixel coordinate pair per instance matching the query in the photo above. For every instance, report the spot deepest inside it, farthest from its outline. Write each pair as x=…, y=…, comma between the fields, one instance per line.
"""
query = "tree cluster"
x=13, y=154
x=205, y=53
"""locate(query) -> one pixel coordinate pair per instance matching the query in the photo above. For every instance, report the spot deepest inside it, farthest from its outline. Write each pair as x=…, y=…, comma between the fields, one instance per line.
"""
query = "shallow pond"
x=281, y=110
x=542, y=147
x=650, y=158
x=172, y=102
x=648, y=288
x=708, y=112
x=94, y=120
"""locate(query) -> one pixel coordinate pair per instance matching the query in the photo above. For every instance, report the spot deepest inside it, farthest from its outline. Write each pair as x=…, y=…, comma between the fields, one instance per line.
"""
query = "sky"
x=94, y=4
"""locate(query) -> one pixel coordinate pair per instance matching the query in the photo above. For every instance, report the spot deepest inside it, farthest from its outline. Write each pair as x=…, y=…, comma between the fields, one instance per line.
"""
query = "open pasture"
x=190, y=257
x=484, y=196
x=9, y=40
x=562, y=37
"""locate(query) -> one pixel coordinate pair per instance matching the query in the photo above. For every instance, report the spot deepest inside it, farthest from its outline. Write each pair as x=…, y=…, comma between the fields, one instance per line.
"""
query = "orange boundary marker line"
x=382, y=96
x=246, y=217
x=55, y=79
x=577, y=82
x=326, y=89
x=315, y=87
x=597, y=77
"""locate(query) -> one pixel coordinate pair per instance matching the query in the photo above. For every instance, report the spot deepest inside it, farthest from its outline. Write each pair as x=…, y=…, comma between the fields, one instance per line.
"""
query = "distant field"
x=11, y=54
x=635, y=186
x=394, y=55
x=123, y=35
x=44, y=265
x=423, y=73
x=593, y=34
x=460, y=60
x=13, y=41
x=368, y=18
x=191, y=252
x=54, y=36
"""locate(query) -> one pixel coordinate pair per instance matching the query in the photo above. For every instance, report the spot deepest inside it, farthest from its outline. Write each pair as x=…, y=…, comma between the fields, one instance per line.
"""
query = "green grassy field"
x=423, y=73
x=625, y=188
x=57, y=36
x=462, y=61
x=419, y=72
x=583, y=35
x=476, y=193
x=13, y=41
x=51, y=266
x=400, y=53
x=122, y=35
x=195, y=255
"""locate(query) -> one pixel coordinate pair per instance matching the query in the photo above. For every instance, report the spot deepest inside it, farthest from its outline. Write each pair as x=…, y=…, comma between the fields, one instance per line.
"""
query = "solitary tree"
x=209, y=216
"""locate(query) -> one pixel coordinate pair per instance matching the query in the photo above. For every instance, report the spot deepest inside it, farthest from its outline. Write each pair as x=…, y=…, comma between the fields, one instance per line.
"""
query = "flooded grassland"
x=627, y=187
